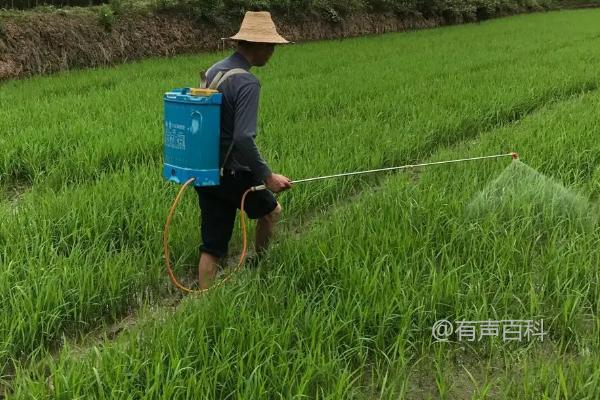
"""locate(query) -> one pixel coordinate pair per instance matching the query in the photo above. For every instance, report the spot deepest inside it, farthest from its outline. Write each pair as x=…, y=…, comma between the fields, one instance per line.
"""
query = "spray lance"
x=513, y=155
x=191, y=156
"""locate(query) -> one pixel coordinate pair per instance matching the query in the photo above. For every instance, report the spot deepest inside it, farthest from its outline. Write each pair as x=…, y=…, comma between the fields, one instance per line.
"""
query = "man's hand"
x=277, y=183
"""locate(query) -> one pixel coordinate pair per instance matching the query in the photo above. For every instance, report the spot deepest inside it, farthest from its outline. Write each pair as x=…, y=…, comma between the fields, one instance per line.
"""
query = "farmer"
x=242, y=164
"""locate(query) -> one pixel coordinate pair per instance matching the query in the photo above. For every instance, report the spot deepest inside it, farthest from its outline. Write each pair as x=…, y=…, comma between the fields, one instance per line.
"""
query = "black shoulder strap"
x=219, y=78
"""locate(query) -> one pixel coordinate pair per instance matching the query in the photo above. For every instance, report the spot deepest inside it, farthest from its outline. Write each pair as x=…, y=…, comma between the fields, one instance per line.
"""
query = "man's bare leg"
x=207, y=269
x=265, y=227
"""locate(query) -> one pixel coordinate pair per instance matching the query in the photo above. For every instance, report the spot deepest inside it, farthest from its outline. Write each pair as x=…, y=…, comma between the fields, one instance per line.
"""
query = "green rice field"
x=344, y=303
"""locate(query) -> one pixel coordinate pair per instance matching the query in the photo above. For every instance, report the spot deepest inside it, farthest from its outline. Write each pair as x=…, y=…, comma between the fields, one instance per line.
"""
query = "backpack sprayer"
x=191, y=154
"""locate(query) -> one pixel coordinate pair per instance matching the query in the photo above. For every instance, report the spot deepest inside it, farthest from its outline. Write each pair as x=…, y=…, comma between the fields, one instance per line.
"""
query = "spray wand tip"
x=514, y=155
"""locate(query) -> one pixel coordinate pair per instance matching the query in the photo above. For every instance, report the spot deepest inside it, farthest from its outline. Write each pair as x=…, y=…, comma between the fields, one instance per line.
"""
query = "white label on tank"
x=175, y=136
x=175, y=141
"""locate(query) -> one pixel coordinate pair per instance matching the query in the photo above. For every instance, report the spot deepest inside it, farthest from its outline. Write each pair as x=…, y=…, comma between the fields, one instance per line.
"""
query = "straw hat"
x=258, y=26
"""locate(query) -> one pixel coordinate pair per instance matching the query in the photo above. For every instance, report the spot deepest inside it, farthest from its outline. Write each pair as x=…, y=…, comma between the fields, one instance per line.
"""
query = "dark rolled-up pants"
x=218, y=206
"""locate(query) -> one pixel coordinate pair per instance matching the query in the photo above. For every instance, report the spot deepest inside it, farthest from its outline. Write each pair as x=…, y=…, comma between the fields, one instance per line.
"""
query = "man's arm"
x=244, y=130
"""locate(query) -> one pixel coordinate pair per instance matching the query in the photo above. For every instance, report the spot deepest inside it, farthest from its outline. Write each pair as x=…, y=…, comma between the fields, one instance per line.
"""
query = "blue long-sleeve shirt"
x=239, y=114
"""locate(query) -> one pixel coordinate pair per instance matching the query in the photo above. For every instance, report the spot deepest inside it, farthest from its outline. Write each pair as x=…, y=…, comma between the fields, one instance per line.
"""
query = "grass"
x=360, y=290
x=345, y=298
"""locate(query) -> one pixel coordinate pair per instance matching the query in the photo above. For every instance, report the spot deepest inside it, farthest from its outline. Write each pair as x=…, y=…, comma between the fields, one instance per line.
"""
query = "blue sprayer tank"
x=192, y=125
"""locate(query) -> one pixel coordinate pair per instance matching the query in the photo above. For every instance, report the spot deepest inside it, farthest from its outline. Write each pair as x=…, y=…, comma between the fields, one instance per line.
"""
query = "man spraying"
x=241, y=163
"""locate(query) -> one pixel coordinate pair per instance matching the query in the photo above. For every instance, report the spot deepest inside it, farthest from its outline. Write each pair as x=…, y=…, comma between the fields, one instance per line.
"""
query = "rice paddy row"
x=361, y=291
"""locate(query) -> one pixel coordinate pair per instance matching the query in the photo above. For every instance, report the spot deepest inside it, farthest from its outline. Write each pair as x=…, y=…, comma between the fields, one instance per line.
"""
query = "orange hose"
x=166, y=242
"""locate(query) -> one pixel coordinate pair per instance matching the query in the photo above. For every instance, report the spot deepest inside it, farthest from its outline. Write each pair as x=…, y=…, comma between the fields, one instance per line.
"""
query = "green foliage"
x=106, y=16
x=259, y=5
x=27, y=4
x=209, y=10
x=401, y=7
x=217, y=11
x=292, y=7
x=336, y=10
x=116, y=6
x=237, y=8
x=325, y=7
x=168, y=5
